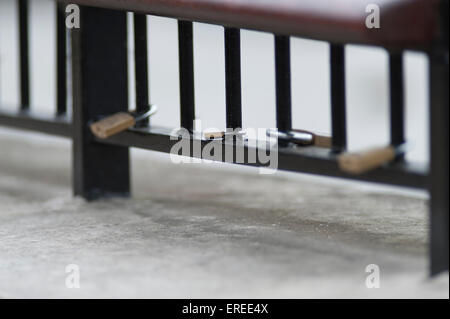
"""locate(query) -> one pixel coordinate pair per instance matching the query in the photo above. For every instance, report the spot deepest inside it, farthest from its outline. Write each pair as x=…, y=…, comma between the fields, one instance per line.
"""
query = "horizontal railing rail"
x=311, y=160
x=59, y=125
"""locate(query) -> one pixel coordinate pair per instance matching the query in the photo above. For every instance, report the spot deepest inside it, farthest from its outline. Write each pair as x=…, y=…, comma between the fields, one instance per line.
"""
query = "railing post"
x=186, y=66
x=283, y=85
x=338, y=100
x=233, y=78
x=439, y=161
x=99, y=88
x=24, y=56
x=61, y=60
x=439, y=140
x=141, y=66
x=397, y=99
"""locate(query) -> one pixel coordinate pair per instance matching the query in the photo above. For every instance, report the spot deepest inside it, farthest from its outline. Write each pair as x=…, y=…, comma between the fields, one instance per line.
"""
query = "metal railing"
x=101, y=166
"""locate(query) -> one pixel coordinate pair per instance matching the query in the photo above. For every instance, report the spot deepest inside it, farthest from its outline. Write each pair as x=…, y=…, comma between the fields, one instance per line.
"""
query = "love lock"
x=301, y=137
x=362, y=162
x=119, y=122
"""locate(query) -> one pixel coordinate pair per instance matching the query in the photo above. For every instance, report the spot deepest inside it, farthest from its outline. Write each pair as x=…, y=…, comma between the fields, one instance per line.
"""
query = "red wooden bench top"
x=404, y=23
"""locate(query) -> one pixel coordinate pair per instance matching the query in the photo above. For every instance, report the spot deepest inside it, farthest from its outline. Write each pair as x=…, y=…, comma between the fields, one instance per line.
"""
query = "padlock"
x=214, y=135
x=240, y=134
x=362, y=162
x=323, y=141
x=118, y=122
x=317, y=139
x=301, y=137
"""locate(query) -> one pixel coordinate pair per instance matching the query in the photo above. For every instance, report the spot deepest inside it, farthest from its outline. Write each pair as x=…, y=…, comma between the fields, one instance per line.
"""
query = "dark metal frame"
x=99, y=56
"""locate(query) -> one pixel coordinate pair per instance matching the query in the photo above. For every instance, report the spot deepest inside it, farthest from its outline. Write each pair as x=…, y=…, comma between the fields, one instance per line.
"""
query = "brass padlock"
x=214, y=135
x=362, y=162
x=221, y=135
x=118, y=122
x=112, y=124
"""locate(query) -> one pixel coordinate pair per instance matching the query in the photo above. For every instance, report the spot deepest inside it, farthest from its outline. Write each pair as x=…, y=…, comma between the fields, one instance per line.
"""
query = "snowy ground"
x=212, y=232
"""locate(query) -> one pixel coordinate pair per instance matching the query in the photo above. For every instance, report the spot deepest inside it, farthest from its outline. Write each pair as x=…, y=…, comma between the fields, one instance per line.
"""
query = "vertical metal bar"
x=396, y=98
x=61, y=57
x=338, y=103
x=99, y=88
x=439, y=147
x=24, y=56
x=141, y=66
x=283, y=82
x=186, y=65
x=233, y=78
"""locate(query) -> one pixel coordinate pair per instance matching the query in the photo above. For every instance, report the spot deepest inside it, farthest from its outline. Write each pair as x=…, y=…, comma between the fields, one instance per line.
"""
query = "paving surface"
x=193, y=231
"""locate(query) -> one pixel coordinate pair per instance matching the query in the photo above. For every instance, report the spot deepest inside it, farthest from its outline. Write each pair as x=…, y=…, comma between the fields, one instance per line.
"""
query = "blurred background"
x=367, y=79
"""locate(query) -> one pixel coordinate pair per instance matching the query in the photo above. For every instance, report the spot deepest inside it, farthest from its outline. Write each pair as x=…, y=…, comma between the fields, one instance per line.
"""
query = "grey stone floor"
x=193, y=231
